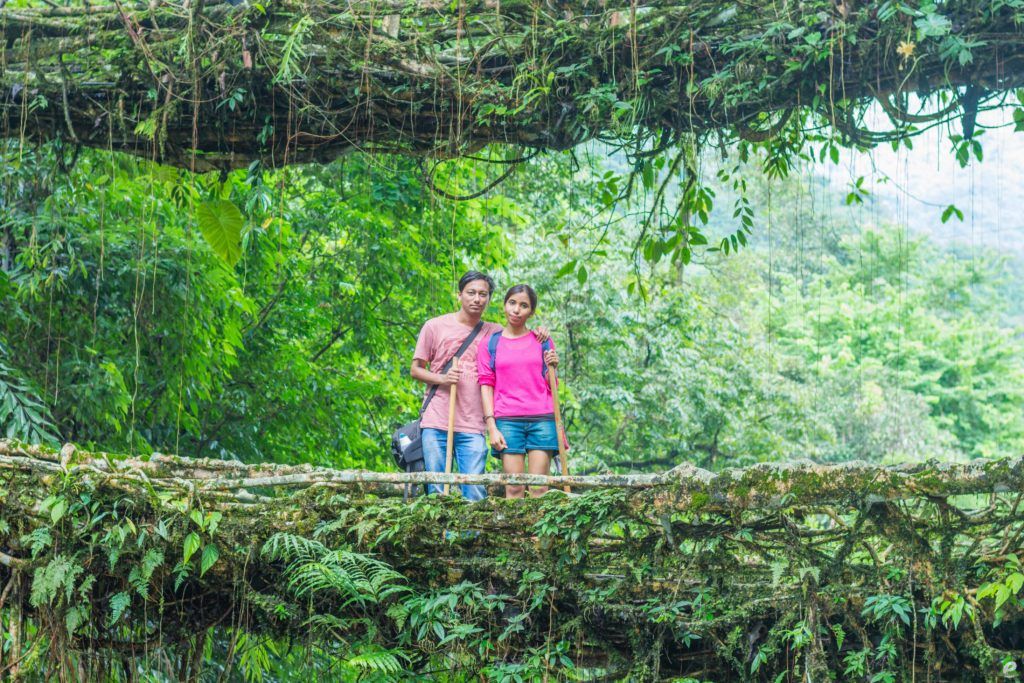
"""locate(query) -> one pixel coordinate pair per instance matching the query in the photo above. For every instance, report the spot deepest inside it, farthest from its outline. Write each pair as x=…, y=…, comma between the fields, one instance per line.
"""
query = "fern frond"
x=141, y=574
x=294, y=51
x=59, y=575
x=334, y=628
x=369, y=571
x=118, y=604
x=291, y=548
x=342, y=522
x=75, y=617
x=38, y=540
x=317, y=577
x=22, y=414
x=388, y=662
x=399, y=613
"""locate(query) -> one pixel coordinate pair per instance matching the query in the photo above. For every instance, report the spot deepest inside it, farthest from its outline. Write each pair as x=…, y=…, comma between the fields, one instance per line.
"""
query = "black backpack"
x=406, y=442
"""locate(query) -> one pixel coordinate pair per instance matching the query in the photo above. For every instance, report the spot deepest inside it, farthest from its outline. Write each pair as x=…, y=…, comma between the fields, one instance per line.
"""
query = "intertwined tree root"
x=211, y=84
x=722, y=576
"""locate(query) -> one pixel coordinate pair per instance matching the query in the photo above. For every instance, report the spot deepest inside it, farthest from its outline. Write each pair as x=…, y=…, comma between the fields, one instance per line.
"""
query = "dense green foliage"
x=823, y=338
x=270, y=316
x=137, y=336
x=706, y=313
x=873, y=357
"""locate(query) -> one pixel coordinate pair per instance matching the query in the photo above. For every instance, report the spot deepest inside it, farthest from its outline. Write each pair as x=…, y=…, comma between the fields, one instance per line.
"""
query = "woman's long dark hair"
x=523, y=289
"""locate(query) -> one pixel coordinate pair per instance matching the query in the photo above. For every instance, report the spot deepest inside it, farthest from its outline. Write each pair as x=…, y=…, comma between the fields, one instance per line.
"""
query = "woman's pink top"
x=520, y=385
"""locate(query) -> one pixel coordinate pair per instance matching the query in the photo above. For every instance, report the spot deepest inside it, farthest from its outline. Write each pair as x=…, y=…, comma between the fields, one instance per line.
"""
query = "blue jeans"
x=470, y=456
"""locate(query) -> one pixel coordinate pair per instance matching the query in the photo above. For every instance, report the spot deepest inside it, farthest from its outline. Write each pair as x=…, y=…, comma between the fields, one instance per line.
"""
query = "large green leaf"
x=221, y=224
x=210, y=556
x=191, y=545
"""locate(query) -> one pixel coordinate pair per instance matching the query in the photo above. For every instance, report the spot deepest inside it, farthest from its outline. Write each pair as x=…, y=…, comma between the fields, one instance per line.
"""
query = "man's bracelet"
x=489, y=417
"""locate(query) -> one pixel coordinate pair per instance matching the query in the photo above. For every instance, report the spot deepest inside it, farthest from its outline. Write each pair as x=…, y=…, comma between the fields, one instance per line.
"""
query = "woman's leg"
x=513, y=463
x=540, y=463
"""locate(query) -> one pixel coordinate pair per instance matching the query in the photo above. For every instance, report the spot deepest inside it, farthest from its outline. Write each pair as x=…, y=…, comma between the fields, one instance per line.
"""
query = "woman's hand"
x=542, y=333
x=551, y=358
x=497, y=439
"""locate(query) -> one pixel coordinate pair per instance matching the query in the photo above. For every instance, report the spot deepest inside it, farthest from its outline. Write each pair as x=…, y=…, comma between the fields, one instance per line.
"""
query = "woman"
x=518, y=407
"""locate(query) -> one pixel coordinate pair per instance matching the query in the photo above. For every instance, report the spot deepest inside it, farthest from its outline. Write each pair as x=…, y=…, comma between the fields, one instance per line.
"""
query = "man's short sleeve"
x=425, y=344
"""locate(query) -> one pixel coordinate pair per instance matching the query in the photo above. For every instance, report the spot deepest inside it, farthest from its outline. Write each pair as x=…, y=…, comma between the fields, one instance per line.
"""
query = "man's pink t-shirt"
x=439, y=339
x=520, y=385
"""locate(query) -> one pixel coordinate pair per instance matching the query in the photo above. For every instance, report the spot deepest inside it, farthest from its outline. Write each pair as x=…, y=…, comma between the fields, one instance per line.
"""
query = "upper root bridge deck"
x=217, y=85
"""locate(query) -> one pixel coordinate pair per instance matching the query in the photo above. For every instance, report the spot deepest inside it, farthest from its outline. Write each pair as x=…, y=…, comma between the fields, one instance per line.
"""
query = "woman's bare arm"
x=497, y=439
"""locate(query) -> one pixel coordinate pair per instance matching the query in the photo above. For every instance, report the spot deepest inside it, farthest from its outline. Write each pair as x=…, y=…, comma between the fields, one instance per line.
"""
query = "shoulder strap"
x=447, y=366
x=465, y=344
x=492, y=347
x=545, y=346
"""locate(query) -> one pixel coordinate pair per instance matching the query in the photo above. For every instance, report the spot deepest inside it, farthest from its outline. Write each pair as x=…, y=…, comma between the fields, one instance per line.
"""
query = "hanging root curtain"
x=209, y=84
x=744, y=573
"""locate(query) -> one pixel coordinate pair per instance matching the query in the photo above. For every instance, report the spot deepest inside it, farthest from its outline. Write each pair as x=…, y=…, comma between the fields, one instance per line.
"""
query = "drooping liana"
x=207, y=85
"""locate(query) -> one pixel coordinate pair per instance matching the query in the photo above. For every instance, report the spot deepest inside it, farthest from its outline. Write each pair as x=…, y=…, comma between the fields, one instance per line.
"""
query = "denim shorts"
x=527, y=436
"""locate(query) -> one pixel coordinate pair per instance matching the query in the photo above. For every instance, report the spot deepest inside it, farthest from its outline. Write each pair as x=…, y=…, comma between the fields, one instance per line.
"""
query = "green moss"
x=698, y=501
x=602, y=569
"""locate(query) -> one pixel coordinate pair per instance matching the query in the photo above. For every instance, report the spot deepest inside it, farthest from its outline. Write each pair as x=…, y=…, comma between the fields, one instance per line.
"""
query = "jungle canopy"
x=206, y=85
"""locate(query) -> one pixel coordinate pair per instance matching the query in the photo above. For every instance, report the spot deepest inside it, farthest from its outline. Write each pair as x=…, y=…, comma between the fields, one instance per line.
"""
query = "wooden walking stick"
x=562, y=445
x=451, y=429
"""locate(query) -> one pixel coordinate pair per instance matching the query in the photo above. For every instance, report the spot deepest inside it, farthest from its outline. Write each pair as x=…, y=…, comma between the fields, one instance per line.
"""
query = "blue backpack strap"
x=545, y=346
x=492, y=347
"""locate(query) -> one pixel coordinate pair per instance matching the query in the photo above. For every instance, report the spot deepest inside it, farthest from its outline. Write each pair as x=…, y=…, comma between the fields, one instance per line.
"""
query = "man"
x=439, y=339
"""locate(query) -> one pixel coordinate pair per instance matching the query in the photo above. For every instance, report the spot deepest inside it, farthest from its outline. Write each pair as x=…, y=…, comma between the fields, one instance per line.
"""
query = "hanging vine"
x=397, y=76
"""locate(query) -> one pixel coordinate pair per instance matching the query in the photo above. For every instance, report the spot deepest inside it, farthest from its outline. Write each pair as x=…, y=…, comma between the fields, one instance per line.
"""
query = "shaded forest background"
x=837, y=330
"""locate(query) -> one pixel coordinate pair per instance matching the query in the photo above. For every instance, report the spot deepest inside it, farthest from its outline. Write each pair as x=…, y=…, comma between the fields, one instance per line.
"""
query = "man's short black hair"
x=472, y=275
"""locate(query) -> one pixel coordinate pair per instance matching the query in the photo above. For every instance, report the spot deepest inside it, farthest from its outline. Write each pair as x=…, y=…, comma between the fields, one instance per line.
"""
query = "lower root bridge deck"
x=742, y=574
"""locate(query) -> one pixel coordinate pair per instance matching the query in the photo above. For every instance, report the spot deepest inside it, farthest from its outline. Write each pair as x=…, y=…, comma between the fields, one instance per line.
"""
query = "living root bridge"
x=748, y=573
x=207, y=85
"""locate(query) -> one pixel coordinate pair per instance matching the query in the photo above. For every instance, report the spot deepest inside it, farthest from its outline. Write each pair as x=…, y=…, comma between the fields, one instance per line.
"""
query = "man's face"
x=474, y=297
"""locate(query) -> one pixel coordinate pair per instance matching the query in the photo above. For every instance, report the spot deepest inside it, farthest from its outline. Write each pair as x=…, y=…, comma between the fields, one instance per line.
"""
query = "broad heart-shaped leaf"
x=1018, y=121
x=191, y=545
x=221, y=224
x=210, y=555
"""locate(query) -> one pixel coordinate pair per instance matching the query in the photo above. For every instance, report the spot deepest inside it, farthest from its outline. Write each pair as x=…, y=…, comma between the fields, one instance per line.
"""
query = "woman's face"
x=518, y=309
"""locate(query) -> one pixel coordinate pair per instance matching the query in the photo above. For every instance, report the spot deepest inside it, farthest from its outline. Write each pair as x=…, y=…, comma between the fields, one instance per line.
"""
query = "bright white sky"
x=925, y=180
